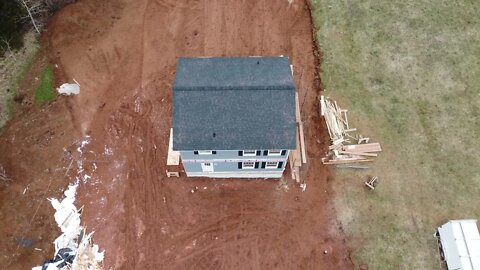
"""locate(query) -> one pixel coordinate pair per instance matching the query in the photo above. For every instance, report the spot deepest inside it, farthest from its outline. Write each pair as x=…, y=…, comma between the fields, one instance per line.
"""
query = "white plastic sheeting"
x=460, y=241
x=67, y=215
x=74, y=237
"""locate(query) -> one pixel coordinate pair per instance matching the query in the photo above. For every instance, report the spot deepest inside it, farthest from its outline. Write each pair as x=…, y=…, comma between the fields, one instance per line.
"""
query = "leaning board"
x=173, y=157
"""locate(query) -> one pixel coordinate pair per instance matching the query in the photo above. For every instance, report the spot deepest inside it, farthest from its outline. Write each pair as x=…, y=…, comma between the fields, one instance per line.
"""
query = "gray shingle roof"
x=233, y=104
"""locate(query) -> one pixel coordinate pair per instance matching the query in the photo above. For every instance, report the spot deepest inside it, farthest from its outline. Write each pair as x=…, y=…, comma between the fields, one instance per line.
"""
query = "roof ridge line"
x=223, y=88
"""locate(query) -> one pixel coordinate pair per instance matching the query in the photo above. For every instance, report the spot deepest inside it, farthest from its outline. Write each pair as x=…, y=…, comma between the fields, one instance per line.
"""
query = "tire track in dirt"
x=133, y=118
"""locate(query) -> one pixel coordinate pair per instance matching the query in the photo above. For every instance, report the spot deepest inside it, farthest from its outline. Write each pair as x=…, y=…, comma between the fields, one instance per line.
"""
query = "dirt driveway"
x=123, y=53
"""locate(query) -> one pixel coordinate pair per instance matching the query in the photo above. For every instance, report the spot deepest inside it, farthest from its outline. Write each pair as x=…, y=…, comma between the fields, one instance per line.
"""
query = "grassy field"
x=45, y=91
x=409, y=72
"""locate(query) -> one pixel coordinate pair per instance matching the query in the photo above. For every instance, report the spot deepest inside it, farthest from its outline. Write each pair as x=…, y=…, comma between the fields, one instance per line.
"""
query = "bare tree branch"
x=28, y=9
x=8, y=52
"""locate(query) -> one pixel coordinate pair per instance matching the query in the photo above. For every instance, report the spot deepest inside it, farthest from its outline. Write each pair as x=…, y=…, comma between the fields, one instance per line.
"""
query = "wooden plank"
x=336, y=106
x=302, y=143
x=335, y=147
x=346, y=118
x=357, y=147
x=359, y=153
x=346, y=161
x=297, y=108
x=322, y=105
x=338, y=142
x=171, y=174
x=363, y=140
x=366, y=147
x=297, y=157
x=362, y=150
x=297, y=161
x=173, y=157
x=352, y=166
x=292, y=169
x=297, y=175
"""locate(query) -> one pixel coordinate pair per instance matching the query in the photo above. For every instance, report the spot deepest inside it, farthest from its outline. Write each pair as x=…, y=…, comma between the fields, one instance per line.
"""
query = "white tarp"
x=69, y=89
x=460, y=241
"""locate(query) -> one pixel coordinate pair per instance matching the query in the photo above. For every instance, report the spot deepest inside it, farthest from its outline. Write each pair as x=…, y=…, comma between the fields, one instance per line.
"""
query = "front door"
x=207, y=167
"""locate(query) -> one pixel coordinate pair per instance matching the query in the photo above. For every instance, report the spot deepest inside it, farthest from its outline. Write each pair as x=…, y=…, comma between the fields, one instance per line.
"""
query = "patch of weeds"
x=425, y=112
x=45, y=92
x=14, y=67
x=397, y=116
x=24, y=69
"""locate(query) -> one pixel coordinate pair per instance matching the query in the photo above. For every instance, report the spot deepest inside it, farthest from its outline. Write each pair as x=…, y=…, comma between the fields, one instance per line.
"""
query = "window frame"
x=254, y=153
x=204, y=152
x=248, y=167
x=275, y=154
x=270, y=166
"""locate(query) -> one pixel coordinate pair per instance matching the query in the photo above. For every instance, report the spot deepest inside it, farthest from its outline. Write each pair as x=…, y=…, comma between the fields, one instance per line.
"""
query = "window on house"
x=248, y=165
x=274, y=152
x=272, y=165
x=249, y=152
x=204, y=152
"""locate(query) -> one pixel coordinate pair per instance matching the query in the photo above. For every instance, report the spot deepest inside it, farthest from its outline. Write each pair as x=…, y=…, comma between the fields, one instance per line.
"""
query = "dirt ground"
x=113, y=138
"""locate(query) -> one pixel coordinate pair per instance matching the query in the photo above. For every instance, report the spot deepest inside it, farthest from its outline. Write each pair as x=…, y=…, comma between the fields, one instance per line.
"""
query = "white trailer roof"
x=461, y=244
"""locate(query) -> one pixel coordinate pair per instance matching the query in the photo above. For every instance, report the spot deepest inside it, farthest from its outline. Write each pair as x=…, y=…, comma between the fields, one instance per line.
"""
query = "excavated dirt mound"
x=113, y=138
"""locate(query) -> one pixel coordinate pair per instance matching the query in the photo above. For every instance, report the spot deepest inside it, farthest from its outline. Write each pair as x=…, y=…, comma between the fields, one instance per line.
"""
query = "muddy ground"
x=113, y=138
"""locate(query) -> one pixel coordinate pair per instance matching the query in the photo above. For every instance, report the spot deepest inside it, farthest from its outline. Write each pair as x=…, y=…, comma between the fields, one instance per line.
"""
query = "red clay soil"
x=123, y=53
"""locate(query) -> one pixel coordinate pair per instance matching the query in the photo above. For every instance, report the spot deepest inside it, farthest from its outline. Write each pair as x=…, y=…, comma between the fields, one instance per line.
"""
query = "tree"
x=10, y=27
x=36, y=9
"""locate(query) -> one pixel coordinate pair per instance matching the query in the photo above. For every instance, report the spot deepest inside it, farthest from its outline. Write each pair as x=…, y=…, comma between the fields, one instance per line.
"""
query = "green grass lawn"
x=45, y=91
x=409, y=73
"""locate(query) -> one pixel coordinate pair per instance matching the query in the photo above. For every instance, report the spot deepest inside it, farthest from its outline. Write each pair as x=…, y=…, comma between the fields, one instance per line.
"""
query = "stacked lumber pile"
x=298, y=156
x=347, y=146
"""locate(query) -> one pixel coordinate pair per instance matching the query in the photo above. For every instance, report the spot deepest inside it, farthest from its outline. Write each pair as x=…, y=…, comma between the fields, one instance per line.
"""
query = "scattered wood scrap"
x=347, y=146
x=4, y=180
x=372, y=183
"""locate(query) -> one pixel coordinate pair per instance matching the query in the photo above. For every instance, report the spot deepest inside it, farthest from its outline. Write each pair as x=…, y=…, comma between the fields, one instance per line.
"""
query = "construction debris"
x=4, y=179
x=372, y=183
x=347, y=146
x=73, y=249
